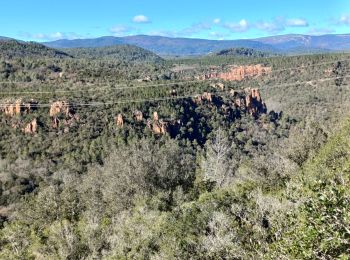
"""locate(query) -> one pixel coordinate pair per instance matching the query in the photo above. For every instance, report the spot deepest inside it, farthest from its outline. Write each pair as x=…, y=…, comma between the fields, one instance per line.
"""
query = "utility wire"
x=144, y=86
x=96, y=104
x=123, y=88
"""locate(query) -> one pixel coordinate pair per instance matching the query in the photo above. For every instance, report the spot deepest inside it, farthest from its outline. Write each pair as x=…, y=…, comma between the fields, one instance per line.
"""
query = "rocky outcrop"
x=254, y=103
x=219, y=86
x=238, y=73
x=61, y=107
x=157, y=126
x=163, y=126
x=160, y=127
x=18, y=107
x=251, y=101
x=138, y=116
x=119, y=120
x=206, y=96
x=32, y=127
x=238, y=103
x=55, y=122
x=155, y=116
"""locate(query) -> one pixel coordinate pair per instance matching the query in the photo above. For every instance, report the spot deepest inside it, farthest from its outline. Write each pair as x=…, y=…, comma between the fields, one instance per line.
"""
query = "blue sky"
x=43, y=20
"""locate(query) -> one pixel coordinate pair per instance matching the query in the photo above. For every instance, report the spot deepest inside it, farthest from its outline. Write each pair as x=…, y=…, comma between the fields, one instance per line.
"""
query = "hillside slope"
x=127, y=53
x=243, y=52
x=320, y=227
x=15, y=49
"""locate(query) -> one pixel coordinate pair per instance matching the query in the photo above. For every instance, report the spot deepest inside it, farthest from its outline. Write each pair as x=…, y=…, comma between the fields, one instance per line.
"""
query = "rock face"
x=239, y=73
x=251, y=101
x=55, y=122
x=155, y=116
x=206, y=96
x=160, y=127
x=60, y=107
x=31, y=128
x=119, y=120
x=64, y=108
x=18, y=107
x=138, y=116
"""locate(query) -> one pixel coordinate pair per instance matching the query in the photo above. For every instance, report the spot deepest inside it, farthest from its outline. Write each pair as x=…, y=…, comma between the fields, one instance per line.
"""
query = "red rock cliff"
x=251, y=101
x=239, y=73
x=18, y=107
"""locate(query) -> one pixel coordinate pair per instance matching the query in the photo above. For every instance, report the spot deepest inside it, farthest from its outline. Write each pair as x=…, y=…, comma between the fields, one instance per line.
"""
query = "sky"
x=47, y=20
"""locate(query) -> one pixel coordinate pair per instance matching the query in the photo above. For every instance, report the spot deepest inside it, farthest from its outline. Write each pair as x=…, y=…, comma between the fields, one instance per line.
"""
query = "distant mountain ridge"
x=283, y=44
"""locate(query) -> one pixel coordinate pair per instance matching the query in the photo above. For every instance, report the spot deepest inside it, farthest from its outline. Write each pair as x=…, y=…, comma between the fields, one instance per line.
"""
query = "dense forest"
x=126, y=53
x=15, y=49
x=117, y=153
x=243, y=52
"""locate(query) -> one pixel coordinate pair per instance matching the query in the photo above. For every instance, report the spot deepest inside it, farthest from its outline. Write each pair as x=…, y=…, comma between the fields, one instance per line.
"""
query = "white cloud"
x=271, y=27
x=51, y=36
x=164, y=33
x=57, y=35
x=279, y=24
x=320, y=31
x=297, y=22
x=141, y=19
x=121, y=30
x=217, y=21
x=218, y=35
x=193, y=29
x=185, y=32
x=241, y=26
x=344, y=19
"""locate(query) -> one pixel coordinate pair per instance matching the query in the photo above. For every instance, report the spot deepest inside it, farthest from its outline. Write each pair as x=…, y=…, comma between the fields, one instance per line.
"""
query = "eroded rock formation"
x=251, y=101
x=18, y=107
x=119, y=120
x=206, y=96
x=61, y=107
x=238, y=73
x=138, y=115
x=160, y=127
x=155, y=116
x=32, y=127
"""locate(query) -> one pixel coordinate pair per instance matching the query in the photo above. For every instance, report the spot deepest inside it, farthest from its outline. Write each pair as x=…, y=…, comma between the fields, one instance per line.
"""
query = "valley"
x=116, y=152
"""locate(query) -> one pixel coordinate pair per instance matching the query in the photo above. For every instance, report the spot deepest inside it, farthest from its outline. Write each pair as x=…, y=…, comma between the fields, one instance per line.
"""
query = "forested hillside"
x=115, y=153
x=125, y=53
x=14, y=49
x=243, y=52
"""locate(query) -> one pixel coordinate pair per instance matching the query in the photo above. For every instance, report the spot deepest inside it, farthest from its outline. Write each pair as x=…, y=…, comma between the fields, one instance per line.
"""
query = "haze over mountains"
x=284, y=44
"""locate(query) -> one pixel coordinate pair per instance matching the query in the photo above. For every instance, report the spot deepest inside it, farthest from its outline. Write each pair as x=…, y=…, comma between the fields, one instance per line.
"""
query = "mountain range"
x=167, y=46
x=283, y=44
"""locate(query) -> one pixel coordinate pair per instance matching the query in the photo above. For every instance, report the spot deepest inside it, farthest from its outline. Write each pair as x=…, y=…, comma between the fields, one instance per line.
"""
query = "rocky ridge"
x=237, y=73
